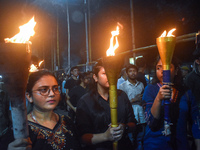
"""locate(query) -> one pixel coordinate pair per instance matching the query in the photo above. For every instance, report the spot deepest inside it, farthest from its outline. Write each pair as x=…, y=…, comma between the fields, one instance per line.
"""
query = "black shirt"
x=76, y=93
x=70, y=83
x=141, y=77
x=192, y=81
x=93, y=116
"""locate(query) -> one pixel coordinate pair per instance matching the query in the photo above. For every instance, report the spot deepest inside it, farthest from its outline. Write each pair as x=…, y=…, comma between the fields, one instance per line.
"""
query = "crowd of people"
x=87, y=125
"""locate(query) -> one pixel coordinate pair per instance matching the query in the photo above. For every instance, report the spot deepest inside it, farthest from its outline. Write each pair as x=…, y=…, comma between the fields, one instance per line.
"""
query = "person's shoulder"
x=86, y=98
x=121, y=93
x=69, y=79
x=124, y=83
x=65, y=119
x=140, y=83
x=151, y=86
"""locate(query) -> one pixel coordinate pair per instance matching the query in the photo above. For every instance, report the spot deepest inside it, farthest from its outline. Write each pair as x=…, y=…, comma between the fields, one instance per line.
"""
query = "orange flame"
x=40, y=62
x=164, y=34
x=26, y=31
x=112, y=48
x=33, y=68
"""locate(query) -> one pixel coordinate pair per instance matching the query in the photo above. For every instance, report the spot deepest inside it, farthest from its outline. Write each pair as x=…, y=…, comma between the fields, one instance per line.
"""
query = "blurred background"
x=77, y=32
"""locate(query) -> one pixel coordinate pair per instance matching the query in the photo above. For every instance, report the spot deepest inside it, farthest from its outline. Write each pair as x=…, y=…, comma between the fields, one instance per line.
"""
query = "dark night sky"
x=151, y=18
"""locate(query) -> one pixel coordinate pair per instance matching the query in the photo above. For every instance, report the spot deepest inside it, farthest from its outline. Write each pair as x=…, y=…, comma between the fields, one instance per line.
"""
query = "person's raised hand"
x=164, y=93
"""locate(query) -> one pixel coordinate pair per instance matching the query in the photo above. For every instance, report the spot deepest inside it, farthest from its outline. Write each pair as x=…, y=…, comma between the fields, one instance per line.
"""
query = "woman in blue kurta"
x=182, y=109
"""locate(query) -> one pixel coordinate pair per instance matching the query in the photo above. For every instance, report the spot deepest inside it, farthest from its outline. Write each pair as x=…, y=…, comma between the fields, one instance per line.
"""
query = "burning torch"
x=15, y=57
x=112, y=65
x=166, y=45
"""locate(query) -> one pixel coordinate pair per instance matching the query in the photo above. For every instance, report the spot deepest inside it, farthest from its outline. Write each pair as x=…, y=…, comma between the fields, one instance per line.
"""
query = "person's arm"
x=70, y=104
x=197, y=143
x=164, y=92
x=195, y=115
x=137, y=98
x=20, y=144
x=111, y=134
x=67, y=92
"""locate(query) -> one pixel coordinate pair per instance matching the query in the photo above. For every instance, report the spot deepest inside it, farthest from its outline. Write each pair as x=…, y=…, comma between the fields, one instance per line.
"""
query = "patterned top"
x=61, y=137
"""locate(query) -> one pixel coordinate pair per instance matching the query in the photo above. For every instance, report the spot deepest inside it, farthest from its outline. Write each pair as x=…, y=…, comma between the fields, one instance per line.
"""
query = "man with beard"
x=134, y=89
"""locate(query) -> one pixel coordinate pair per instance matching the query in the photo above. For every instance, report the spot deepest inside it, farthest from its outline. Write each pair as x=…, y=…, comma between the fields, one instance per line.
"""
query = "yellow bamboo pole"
x=113, y=65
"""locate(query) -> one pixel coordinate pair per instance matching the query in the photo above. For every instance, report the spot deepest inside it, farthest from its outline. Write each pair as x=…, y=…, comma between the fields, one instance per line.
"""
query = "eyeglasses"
x=45, y=90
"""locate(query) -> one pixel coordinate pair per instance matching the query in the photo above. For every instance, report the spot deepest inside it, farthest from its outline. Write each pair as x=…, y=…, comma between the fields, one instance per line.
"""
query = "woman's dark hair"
x=96, y=69
x=178, y=80
x=82, y=76
x=98, y=106
x=34, y=77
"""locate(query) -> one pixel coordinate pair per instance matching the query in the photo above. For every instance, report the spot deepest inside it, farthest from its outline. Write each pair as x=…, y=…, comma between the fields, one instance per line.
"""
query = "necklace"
x=34, y=118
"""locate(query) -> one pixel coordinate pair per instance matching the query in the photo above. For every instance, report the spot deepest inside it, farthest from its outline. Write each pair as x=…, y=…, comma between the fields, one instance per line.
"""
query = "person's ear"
x=95, y=78
x=29, y=97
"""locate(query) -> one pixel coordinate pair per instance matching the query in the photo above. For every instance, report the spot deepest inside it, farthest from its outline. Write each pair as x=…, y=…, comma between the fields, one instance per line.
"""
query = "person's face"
x=75, y=72
x=101, y=79
x=159, y=71
x=86, y=80
x=184, y=72
x=51, y=100
x=132, y=73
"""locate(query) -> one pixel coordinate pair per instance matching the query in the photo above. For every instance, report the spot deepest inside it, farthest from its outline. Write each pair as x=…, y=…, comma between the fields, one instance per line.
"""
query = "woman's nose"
x=51, y=92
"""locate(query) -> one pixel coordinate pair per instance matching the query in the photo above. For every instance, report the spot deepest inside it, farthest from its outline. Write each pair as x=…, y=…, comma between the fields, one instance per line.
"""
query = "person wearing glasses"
x=47, y=129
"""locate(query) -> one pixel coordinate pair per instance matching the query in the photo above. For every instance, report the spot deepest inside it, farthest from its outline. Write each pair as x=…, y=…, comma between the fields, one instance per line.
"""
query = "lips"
x=51, y=101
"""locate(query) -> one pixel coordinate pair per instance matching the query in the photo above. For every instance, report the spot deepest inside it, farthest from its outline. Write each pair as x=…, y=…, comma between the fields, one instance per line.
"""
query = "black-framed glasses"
x=45, y=90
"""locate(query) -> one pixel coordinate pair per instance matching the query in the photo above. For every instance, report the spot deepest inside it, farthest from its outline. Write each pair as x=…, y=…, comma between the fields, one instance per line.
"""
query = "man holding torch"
x=93, y=116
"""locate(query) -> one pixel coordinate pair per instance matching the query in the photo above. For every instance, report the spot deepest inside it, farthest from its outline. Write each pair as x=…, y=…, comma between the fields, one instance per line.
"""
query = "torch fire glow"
x=15, y=57
x=34, y=68
x=26, y=31
x=166, y=45
x=112, y=65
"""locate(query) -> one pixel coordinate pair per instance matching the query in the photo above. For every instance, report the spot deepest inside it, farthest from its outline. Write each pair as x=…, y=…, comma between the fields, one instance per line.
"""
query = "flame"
x=40, y=62
x=26, y=31
x=33, y=68
x=164, y=34
x=112, y=48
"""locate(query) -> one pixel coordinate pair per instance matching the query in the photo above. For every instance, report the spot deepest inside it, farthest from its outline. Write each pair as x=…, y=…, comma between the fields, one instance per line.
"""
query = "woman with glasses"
x=47, y=130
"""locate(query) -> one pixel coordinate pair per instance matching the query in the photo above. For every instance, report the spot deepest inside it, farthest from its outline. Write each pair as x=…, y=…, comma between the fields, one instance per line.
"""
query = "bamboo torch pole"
x=112, y=65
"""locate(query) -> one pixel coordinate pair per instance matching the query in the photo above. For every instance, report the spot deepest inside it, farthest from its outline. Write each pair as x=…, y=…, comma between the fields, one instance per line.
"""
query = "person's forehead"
x=130, y=69
x=46, y=80
x=76, y=69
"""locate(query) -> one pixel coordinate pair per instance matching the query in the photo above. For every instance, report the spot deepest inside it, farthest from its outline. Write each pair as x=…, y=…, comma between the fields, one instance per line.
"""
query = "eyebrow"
x=158, y=65
x=47, y=86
